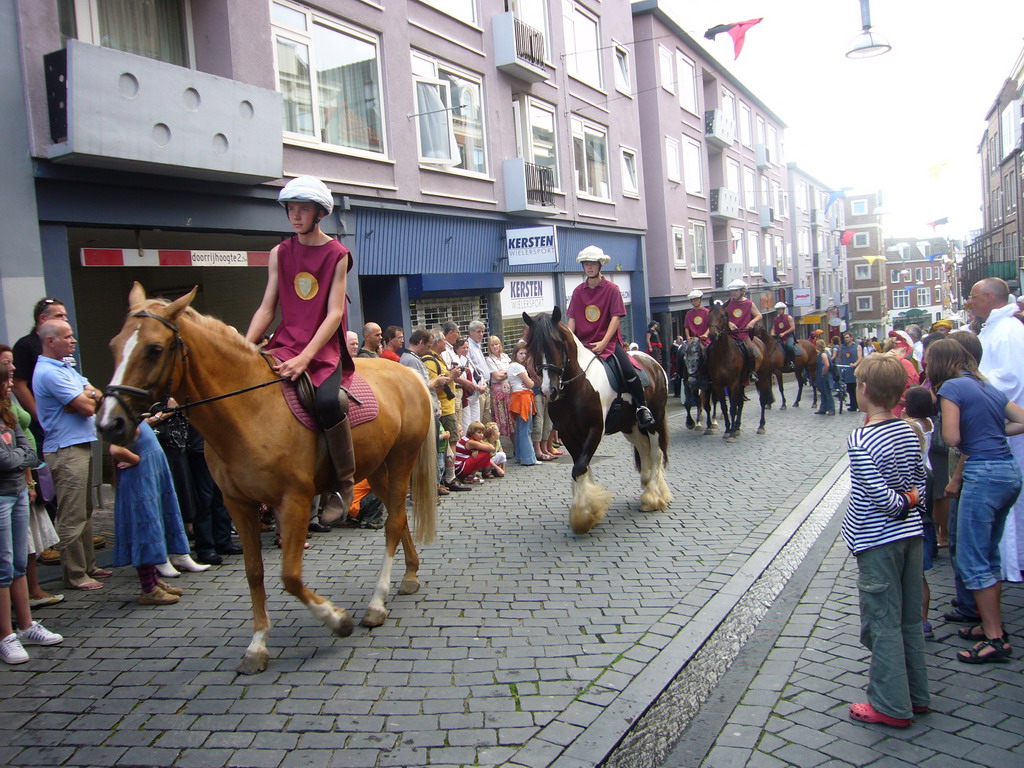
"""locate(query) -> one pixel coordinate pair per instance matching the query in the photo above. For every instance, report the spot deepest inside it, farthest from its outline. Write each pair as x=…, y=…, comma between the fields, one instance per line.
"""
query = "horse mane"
x=208, y=323
x=544, y=337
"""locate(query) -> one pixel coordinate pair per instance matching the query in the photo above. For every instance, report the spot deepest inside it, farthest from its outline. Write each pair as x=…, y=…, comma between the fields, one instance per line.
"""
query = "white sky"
x=877, y=123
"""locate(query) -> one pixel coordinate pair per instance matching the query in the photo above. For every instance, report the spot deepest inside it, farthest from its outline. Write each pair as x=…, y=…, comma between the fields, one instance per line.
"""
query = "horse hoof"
x=761, y=431
x=409, y=587
x=343, y=628
x=253, y=663
x=730, y=439
x=374, y=617
x=784, y=407
x=709, y=431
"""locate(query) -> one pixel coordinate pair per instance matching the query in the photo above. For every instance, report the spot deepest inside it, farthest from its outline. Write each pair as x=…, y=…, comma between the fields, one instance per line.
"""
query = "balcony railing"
x=539, y=185
x=519, y=49
x=529, y=44
x=529, y=188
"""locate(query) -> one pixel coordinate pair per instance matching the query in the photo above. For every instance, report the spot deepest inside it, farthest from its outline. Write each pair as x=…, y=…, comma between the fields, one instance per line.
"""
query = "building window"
x=534, y=14
x=862, y=272
x=623, y=81
x=804, y=242
x=582, y=45
x=729, y=105
x=679, y=247
x=157, y=29
x=918, y=274
x=449, y=116
x=672, y=159
x=924, y=297
x=759, y=130
x=753, y=255
x=750, y=188
x=329, y=78
x=938, y=295
x=780, y=260
x=773, y=145
x=1010, y=128
x=542, y=146
x=463, y=10
x=698, y=234
x=927, y=273
x=864, y=304
x=861, y=240
x=630, y=176
x=859, y=207
x=736, y=243
x=686, y=78
x=590, y=154
x=693, y=167
x=901, y=299
x=667, y=68
x=906, y=275
x=894, y=275
x=745, y=129
x=732, y=178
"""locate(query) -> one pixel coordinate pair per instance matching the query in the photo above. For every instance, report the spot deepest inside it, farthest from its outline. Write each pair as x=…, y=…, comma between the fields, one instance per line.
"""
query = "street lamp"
x=867, y=43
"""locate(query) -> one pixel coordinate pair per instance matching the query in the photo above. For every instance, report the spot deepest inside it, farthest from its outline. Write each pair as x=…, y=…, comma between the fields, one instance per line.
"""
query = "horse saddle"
x=615, y=377
x=355, y=395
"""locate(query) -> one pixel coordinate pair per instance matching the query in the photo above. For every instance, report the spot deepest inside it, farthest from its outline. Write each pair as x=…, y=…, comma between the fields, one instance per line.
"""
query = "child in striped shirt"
x=883, y=529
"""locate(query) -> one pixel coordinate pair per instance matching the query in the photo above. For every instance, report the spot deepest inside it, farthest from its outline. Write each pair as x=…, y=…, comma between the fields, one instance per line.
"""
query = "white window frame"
x=733, y=178
x=630, y=175
x=686, y=80
x=575, y=48
x=623, y=71
x=928, y=273
x=894, y=275
x=750, y=188
x=423, y=66
x=859, y=207
x=924, y=297
x=580, y=128
x=737, y=247
x=861, y=239
x=305, y=38
x=667, y=69
x=693, y=167
x=678, y=247
x=729, y=104
x=746, y=130
x=918, y=274
x=87, y=26
x=524, y=106
x=673, y=160
x=865, y=303
x=804, y=241
x=901, y=298
x=781, y=263
x=938, y=295
x=447, y=7
x=697, y=235
x=753, y=265
x=861, y=271
x=773, y=146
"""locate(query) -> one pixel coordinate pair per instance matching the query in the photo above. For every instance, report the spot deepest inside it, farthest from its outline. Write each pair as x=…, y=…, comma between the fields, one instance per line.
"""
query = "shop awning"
x=811, y=319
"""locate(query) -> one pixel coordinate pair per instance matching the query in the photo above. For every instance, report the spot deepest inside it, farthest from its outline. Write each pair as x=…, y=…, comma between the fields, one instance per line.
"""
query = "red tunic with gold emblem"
x=697, y=323
x=740, y=313
x=780, y=324
x=304, y=274
x=592, y=309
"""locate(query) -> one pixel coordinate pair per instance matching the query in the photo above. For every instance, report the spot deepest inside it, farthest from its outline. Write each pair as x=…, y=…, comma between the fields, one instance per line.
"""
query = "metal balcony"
x=724, y=203
x=766, y=216
x=762, y=156
x=519, y=49
x=112, y=109
x=719, y=128
x=529, y=188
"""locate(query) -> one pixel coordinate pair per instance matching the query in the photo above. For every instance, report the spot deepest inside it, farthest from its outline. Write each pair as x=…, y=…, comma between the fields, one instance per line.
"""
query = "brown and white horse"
x=725, y=369
x=259, y=453
x=579, y=398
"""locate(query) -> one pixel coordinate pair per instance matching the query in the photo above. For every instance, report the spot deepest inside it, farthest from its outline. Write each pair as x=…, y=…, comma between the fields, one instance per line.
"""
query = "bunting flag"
x=847, y=237
x=833, y=195
x=938, y=223
x=737, y=31
x=873, y=259
x=934, y=256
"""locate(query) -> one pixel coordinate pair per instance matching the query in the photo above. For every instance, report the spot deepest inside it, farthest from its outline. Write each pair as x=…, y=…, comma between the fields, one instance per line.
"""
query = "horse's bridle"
x=560, y=371
x=118, y=391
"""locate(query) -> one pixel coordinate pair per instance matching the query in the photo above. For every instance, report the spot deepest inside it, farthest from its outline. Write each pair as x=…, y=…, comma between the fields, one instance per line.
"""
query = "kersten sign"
x=531, y=245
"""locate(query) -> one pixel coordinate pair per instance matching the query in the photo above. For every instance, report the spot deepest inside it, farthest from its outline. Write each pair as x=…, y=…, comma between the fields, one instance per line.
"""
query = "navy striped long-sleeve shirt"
x=885, y=462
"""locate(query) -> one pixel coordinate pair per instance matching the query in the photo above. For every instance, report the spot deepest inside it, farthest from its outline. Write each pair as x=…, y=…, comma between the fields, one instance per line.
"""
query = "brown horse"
x=580, y=399
x=259, y=453
x=725, y=370
x=802, y=365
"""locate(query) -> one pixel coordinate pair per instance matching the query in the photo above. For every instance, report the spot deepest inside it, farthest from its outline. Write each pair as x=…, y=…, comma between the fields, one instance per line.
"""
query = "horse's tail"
x=424, y=487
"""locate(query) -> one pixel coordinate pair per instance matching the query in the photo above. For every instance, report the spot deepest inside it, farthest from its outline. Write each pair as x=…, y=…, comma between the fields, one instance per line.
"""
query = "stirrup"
x=645, y=420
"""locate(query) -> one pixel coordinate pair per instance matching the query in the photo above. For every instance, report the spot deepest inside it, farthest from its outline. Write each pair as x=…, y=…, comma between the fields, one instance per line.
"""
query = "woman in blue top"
x=974, y=418
x=847, y=358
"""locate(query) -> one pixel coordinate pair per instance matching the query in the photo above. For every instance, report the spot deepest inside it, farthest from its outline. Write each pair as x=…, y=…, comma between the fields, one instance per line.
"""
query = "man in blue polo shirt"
x=65, y=403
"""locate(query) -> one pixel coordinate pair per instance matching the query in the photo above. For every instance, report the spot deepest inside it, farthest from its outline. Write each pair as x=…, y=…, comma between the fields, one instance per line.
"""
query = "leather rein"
x=118, y=391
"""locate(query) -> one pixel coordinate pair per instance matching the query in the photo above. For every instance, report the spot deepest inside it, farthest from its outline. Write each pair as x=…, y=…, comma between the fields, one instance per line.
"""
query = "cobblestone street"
x=527, y=645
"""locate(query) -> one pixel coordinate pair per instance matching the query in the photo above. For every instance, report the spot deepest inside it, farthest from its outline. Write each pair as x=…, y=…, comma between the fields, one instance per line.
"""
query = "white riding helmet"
x=307, y=189
x=695, y=294
x=593, y=253
x=780, y=305
x=736, y=285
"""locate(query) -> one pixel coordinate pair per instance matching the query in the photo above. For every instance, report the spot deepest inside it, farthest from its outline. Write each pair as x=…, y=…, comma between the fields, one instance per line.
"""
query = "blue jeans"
x=13, y=537
x=965, y=602
x=990, y=488
x=524, y=447
x=890, y=587
x=825, y=388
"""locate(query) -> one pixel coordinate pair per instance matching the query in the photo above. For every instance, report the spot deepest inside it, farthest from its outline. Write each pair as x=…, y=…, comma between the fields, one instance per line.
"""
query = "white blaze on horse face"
x=545, y=383
x=118, y=377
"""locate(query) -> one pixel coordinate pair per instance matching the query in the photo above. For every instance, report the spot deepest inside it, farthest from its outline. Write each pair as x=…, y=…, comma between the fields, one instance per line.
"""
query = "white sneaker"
x=37, y=634
x=11, y=651
x=186, y=563
x=167, y=570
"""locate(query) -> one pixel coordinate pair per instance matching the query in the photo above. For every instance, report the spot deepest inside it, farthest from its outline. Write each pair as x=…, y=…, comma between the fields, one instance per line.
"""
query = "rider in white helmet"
x=784, y=330
x=306, y=277
x=595, y=312
x=743, y=316
x=696, y=324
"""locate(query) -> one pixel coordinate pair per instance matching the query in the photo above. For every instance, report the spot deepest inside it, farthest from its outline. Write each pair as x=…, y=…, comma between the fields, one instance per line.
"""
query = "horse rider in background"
x=595, y=312
x=743, y=316
x=784, y=331
x=696, y=324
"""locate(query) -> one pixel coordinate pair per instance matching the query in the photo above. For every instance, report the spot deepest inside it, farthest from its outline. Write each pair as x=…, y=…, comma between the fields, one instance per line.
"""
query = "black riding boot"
x=644, y=417
x=749, y=362
x=339, y=446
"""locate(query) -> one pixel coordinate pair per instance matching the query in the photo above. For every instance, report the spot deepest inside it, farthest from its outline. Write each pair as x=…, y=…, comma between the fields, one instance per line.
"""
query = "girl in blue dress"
x=147, y=519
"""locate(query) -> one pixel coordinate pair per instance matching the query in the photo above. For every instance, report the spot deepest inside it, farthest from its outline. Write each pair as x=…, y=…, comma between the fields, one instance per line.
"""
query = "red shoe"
x=865, y=713
x=920, y=709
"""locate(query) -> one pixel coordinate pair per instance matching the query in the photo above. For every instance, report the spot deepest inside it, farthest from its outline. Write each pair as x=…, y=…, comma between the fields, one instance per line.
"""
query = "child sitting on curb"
x=883, y=529
x=472, y=453
x=493, y=436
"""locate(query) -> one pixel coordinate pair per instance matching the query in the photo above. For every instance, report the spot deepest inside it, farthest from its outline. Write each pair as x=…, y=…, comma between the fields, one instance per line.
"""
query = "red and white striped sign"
x=151, y=257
